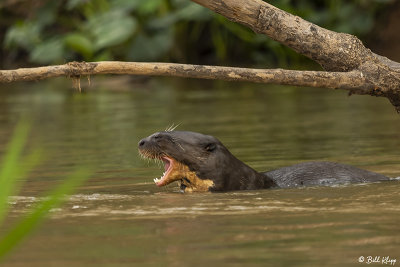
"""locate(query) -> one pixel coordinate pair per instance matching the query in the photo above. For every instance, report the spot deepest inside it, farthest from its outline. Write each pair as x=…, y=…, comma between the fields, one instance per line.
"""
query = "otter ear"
x=210, y=147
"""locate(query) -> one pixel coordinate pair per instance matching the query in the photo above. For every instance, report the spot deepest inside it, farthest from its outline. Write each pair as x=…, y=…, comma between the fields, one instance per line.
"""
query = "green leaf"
x=47, y=52
x=190, y=12
x=22, y=34
x=80, y=43
x=149, y=6
x=111, y=28
x=103, y=56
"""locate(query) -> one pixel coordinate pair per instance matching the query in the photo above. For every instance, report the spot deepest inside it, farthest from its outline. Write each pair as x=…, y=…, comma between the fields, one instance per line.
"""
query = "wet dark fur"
x=210, y=159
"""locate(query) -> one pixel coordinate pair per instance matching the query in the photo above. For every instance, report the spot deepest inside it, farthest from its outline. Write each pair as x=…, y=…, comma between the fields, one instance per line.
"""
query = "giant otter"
x=202, y=163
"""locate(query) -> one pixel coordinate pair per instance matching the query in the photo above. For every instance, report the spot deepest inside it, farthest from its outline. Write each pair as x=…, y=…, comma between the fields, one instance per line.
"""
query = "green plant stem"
x=10, y=169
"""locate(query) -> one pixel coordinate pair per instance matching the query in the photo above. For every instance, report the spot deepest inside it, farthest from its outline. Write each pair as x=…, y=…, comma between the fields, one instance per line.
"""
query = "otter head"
x=199, y=162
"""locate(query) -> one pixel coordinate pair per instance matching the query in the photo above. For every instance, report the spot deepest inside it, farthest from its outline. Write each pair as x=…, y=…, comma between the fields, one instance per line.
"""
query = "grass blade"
x=10, y=169
x=55, y=198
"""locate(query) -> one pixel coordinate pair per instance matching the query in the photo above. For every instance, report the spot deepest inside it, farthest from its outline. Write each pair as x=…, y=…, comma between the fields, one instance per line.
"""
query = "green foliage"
x=80, y=43
x=173, y=30
x=12, y=171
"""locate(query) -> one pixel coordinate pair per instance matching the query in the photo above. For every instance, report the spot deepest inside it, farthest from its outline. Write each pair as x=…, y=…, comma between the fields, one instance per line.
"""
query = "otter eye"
x=158, y=137
x=210, y=147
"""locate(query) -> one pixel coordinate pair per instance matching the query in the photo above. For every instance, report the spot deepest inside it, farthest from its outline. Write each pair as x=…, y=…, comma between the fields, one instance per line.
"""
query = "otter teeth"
x=156, y=180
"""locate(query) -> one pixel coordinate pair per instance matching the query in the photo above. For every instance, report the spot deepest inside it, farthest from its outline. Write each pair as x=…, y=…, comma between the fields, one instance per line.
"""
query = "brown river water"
x=120, y=218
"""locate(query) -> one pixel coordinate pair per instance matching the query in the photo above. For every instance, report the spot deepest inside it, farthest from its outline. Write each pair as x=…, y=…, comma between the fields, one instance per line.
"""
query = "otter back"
x=317, y=173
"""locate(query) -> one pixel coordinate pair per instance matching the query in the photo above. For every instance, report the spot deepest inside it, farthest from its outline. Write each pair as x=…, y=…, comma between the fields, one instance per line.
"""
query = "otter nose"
x=141, y=143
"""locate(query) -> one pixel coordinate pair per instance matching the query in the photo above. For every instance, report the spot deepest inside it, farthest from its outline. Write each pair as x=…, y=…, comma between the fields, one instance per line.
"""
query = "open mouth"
x=167, y=177
x=177, y=171
x=173, y=169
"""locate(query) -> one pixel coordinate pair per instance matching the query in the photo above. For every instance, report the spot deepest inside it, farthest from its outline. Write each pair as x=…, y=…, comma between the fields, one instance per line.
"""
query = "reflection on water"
x=120, y=218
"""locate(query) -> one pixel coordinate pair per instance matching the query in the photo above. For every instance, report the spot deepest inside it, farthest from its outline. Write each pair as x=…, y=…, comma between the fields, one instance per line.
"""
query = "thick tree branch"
x=353, y=81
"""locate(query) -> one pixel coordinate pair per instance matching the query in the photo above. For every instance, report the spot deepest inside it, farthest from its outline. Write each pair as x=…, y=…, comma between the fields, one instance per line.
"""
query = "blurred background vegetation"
x=14, y=167
x=37, y=32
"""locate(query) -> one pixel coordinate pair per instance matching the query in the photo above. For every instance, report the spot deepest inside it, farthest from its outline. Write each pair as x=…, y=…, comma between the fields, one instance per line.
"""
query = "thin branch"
x=353, y=80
